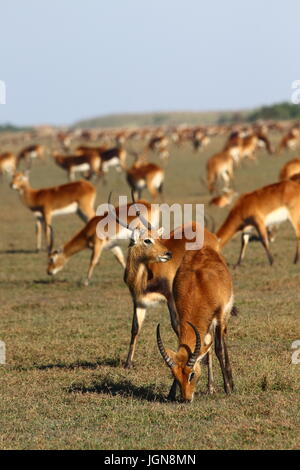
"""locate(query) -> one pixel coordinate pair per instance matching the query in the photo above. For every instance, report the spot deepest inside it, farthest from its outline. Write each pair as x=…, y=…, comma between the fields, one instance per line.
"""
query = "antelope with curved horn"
x=261, y=209
x=151, y=266
x=88, y=237
x=78, y=197
x=203, y=318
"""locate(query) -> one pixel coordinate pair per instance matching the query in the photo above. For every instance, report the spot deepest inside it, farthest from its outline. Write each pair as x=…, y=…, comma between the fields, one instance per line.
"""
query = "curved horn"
x=115, y=215
x=144, y=221
x=195, y=354
x=162, y=350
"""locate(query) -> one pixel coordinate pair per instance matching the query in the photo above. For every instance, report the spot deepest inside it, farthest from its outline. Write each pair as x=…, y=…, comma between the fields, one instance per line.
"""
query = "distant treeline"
x=280, y=111
x=12, y=128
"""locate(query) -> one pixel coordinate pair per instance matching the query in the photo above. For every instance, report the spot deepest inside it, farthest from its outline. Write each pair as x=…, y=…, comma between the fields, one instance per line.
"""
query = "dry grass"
x=64, y=385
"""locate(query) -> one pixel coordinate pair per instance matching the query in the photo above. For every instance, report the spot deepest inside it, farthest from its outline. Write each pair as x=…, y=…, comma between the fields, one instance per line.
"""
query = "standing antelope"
x=219, y=170
x=149, y=276
x=89, y=238
x=8, y=163
x=145, y=175
x=110, y=157
x=73, y=164
x=289, y=141
x=45, y=203
x=203, y=318
x=261, y=209
x=31, y=152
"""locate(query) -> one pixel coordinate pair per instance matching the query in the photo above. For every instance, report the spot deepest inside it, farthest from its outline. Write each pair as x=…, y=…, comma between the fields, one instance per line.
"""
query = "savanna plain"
x=64, y=385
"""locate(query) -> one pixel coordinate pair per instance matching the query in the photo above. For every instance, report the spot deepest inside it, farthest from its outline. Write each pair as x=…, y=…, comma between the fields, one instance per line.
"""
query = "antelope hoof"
x=128, y=365
x=211, y=390
x=86, y=283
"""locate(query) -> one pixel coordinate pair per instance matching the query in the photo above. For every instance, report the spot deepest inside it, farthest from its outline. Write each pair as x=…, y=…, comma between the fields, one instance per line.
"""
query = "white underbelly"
x=157, y=180
x=82, y=167
x=33, y=154
x=9, y=167
x=277, y=217
x=70, y=209
x=141, y=184
x=151, y=299
x=112, y=162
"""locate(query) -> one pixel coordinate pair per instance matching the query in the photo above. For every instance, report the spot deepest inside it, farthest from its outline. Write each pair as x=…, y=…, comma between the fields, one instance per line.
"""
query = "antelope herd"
x=195, y=284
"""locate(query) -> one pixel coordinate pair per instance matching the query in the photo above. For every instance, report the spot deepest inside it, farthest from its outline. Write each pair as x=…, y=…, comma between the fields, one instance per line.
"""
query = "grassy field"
x=64, y=385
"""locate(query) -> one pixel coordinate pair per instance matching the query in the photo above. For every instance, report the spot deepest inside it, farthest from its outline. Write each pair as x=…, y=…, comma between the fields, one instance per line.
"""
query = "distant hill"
x=277, y=111
x=162, y=118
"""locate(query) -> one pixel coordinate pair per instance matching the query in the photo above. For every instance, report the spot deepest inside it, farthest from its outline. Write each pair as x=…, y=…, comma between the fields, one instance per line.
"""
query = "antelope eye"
x=147, y=241
x=191, y=376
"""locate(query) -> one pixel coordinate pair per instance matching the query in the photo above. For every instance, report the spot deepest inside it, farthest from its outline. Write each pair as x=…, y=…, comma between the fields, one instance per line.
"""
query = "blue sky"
x=64, y=60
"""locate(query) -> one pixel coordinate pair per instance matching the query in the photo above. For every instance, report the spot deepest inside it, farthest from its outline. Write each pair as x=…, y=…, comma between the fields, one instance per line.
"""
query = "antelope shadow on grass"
x=124, y=389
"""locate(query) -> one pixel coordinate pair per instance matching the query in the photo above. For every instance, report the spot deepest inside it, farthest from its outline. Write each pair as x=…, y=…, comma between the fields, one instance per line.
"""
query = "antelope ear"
x=135, y=235
x=160, y=232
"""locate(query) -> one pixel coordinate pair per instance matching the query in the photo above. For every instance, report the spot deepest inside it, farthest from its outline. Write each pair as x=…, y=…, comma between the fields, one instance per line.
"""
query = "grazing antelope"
x=225, y=199
x=219, y=170
x=260, y=209
x=73, y=164
x=289, y=169
x=45, y=203
x=203, y=318
x=149, y=276
x=8, y=163
x=89, y=238
x=31, y=152
x=289, y=141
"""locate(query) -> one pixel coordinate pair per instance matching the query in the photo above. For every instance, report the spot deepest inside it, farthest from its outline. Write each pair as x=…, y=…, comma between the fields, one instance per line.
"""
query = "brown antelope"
x=159, y=144
x=148, y=275
x=289, y=141
x=145, y=175
x=110, y=157
x=289, y=169
x=261, y=209
x=31, y=152
x=90, y=163
x=8, y=163
x=45, y=203
x=203, y=318
x=225, y=199
x=88, y=237
x=219, y=170
x=199, y=140
x=242, y=146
